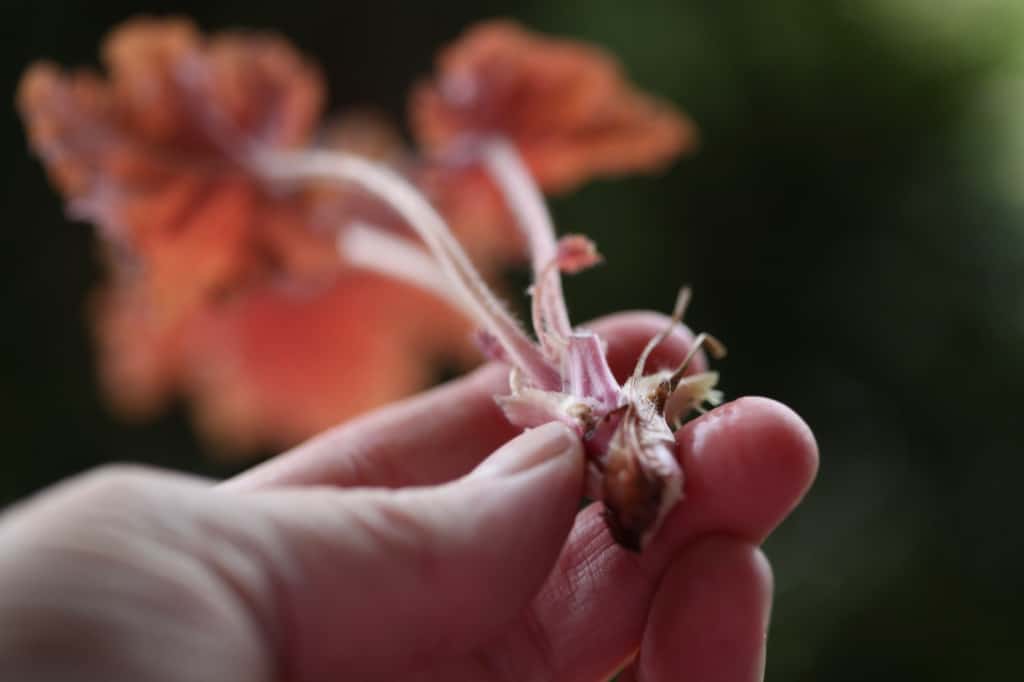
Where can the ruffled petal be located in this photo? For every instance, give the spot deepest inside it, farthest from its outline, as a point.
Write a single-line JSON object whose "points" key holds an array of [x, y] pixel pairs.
{"points": [[151, 154], [565, 105]]}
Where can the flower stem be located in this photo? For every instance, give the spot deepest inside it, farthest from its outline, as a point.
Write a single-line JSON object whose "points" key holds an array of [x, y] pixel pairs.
{"points": [[432, 229], [362, 244], [524, 199]]}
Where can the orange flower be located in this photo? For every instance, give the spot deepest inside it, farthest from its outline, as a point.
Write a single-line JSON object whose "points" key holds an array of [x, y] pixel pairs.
{"points": [[224, 287], [150, 155], [565, 106]]}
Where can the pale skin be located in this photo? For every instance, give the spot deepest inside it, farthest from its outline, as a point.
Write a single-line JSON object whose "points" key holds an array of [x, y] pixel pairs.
{"points": [[423, 542]]}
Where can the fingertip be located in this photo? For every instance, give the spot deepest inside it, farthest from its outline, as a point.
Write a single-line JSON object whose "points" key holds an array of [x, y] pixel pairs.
{"points": [[748, 464], [528, 492], [734, 567], [767, 430], [516, 511], [710, 615], [553, 441]]}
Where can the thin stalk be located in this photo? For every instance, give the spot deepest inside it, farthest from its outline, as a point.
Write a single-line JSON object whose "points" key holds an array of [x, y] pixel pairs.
{"points": [[678, 310], [361, 244], [526, 202], [414, 208]]}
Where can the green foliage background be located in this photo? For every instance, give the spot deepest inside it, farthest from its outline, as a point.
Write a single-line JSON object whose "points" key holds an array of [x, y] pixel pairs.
{"points": [[853, 225]]}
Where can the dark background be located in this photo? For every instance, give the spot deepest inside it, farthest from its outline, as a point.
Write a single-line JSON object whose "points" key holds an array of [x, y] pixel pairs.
{"points": [[853, 225]]}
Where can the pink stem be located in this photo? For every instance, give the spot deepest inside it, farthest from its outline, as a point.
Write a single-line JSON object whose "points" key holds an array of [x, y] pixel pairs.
{"points": [[361, 244], [525, 200], [432, 229], [587, 372]]}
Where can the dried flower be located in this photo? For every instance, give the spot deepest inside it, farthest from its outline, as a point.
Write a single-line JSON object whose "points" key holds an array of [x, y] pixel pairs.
{"points": [[148, 155], [627, 429], [537, 113]]}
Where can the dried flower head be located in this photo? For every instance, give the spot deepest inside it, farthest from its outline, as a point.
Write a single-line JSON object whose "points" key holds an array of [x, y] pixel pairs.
{"points": [[563, 376], [565, 105], [534, 113]]}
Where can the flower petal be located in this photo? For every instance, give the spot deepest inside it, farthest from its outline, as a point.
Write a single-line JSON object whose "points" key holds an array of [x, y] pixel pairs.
{"points": [[148, 153], [566, 106]]}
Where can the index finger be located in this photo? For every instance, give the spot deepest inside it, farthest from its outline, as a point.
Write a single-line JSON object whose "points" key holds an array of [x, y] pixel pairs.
{"points": [[445, 432]]}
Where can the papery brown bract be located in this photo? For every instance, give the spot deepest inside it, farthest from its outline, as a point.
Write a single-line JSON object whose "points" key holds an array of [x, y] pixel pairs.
{"points": [[566, 106]]}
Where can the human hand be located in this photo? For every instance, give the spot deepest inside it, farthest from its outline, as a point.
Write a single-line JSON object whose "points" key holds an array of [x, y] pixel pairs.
{"points": [[384, 550]]}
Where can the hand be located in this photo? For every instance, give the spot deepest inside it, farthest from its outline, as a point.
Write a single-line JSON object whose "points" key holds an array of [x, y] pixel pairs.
{"points": [[384, 549]]}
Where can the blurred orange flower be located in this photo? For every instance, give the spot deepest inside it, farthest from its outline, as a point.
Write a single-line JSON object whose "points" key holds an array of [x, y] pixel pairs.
{"points": [[224, 287], [149, 155], [227, 287], [566, 106], [280, 363]]}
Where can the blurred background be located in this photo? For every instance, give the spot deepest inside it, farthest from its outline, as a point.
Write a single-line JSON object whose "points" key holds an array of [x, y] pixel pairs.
{"points": [[853, 226]]}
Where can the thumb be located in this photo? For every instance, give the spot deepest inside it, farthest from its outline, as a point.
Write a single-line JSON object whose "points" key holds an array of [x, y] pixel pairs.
{"points": [[370, 577]]}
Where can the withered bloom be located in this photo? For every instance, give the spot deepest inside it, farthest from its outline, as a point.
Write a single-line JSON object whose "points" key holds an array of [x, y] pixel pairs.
{"points": [[627, 430], [534, 113], [564, 105], [541, 114]]}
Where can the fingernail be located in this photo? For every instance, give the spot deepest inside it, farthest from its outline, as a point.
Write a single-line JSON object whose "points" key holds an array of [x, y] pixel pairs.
{"points": [[529, 450]]}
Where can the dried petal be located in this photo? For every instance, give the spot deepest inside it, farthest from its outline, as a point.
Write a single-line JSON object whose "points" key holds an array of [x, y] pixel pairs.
{"points": [[576, 253], [586, 373], [530, 407], [642, 478], [565, 105]]}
